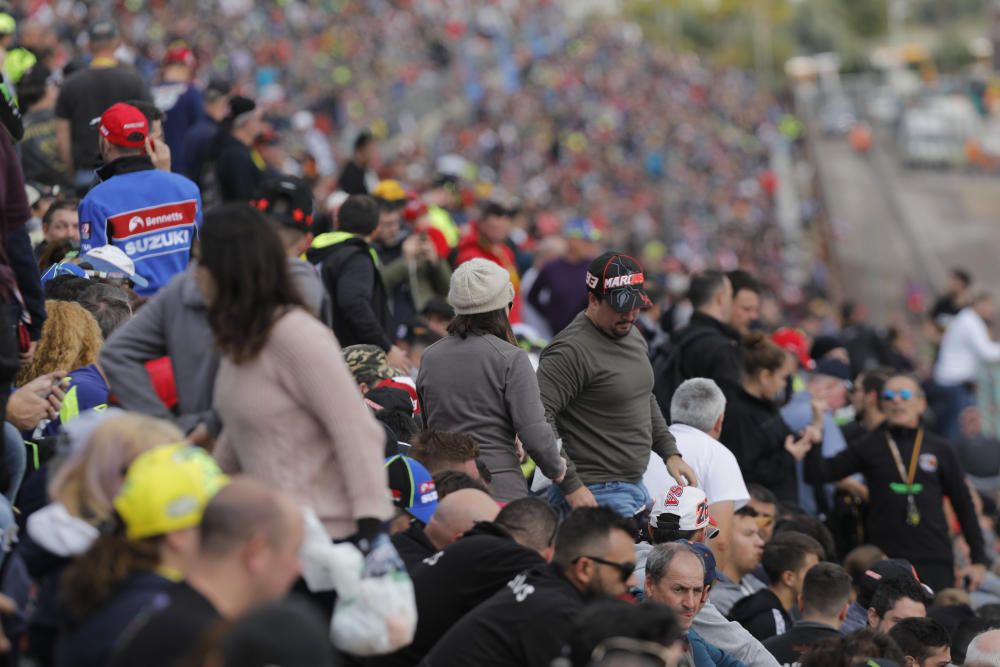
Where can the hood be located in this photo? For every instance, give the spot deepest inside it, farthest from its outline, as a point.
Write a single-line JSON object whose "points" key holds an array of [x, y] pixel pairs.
{"points": [[332, 243], [57, 531], [763, 601]]}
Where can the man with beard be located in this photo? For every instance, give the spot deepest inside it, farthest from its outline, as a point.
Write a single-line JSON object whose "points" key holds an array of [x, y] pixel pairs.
{"points": [[597, 388], [527, 621], [909, 471]]}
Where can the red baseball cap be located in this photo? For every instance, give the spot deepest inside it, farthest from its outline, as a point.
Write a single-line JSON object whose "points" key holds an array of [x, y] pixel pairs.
{"points": [[180, 55], [124, 125], [794, 341]]}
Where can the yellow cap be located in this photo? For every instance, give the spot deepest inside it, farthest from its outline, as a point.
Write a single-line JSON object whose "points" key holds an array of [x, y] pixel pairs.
{"points": [[7, 24], [389, 190], [166, 489]]}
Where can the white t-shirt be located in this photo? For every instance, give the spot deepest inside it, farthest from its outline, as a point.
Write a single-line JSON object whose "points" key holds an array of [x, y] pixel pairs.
{"points": [[718, 472]]}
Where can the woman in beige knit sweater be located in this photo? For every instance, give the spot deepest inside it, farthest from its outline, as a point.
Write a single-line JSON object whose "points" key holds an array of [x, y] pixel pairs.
{"points": [[291, 413]]}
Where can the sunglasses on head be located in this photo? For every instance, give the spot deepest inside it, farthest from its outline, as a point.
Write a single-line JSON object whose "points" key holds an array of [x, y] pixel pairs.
{"points": [[890, 395], [625, 570]]}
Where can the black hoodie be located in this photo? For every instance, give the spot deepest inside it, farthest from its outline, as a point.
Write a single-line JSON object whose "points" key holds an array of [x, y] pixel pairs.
{"points": [[761, 614], [525, 624], [452, 583]]}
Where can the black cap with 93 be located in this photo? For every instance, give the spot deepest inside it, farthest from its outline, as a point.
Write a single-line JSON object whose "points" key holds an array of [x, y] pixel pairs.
{"points": [[618, 280]]}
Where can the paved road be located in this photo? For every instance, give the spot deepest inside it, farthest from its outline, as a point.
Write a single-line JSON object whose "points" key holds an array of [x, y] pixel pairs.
{"points": [[892, 224]]}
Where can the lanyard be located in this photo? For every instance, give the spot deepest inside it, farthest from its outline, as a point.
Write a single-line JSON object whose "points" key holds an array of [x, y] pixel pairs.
{"points": [[910, 475]]}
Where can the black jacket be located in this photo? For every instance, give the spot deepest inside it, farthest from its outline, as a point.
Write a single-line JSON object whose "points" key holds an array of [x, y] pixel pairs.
{"points": [[523, 625], [453, 583], [705, 348], [788, 648], [413, 545], [352, 179], [755, 432], [939, 474], [237, 175], [762, 615], [360, 304]]}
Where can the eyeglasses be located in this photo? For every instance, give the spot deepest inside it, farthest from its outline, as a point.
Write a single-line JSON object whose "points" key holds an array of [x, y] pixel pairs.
{"points": [[764, 520], [625, 570], [891, 395]]}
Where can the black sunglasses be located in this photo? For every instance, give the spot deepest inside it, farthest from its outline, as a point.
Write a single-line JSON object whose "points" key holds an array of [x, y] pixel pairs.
{"points": [[625, 570]]}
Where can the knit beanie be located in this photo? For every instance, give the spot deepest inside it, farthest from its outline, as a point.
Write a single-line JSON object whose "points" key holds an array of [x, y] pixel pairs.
{"points": [[480, 286]]}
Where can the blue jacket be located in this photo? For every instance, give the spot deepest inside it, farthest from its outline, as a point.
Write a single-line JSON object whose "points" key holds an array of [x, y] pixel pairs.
{"points": [[184, 107], [87, 390], [706, 655], [151, 215], [92, 643]]}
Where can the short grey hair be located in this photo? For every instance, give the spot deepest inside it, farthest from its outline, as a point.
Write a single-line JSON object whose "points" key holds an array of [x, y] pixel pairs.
{"points": [[662, 555], [698, 403], [984, 650]]}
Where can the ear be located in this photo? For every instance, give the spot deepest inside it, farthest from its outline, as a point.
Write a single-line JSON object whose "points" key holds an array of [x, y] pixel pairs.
{"points": [[872, 618], [717, 427], [788, 579], [801, 602], [911, 662], [255, 553], [842, 616], [549, 552]]}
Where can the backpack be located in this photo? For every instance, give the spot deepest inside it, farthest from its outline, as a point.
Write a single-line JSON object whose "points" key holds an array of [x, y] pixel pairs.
{"points": [[667, 372]]}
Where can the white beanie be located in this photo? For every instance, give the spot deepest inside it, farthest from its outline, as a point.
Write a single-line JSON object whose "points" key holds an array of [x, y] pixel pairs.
{"points": [[480, 286]]}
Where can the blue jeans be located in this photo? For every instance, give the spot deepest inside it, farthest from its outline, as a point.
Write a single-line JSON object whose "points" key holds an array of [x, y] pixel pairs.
{"points": [[624, 498]]}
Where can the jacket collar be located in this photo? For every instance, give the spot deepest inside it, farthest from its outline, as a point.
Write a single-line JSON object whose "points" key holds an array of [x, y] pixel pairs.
{"points": [[707, 321], [125, 165]]}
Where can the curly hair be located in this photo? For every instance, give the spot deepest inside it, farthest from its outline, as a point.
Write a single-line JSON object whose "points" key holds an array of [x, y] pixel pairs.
{"points": [[71, 338]]}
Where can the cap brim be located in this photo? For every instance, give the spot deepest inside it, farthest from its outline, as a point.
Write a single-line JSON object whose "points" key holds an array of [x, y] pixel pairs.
{"points": [[423, 512], [107, 267], [628, 298]]}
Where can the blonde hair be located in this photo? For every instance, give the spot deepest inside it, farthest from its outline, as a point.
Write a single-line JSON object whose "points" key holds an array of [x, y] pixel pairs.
{"points": [[71, 339], [88, 481]]}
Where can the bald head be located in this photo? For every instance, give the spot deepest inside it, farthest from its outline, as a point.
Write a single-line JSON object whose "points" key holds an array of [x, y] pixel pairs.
{"points": [[458, 512], [243, 509], [984, 649]]}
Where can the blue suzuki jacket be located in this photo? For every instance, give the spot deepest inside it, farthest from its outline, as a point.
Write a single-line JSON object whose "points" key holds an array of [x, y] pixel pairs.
{"points": [[151, 215]]}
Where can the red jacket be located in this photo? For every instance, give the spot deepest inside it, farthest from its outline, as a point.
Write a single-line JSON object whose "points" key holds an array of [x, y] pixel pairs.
{"points": [[473, 246]]}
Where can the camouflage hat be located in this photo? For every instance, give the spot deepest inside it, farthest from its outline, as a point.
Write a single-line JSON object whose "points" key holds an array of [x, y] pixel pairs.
{"points": [[368, 363]]}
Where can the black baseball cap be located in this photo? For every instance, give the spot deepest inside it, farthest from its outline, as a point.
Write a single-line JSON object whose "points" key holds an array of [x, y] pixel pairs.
{"points": [[217, 88], [890, 568], [619, 280], [102, 31], [288, 200]]}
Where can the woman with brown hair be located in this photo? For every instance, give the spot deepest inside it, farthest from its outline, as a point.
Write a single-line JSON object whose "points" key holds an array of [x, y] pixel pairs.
{"points": [[71, 339], [82, 489], [479, 382], [766, 449], [290, 407], [146, 545]]}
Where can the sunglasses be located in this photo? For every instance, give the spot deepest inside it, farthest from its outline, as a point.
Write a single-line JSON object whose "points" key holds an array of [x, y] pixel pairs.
{"points": [[891, 395], [625, 570], [625, 646], [764, 520]]}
